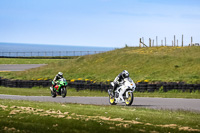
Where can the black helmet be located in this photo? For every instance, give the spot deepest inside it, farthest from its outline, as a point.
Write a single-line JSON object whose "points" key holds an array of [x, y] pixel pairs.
{"points": [[125, 74], [60, 74]]}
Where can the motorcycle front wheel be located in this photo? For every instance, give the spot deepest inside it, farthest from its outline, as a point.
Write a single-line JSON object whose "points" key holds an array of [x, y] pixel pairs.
{"points": [[112, 100], [63, 92], [129, 100]]}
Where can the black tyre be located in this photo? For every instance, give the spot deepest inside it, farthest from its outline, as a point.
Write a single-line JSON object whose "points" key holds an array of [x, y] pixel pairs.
{"points": [[53, 94], [129, 100], [63, 92]]}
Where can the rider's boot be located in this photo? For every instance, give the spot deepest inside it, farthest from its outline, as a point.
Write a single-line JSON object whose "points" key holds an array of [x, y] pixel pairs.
{"points": [[112, 94], [114, 89], [53, 86]]}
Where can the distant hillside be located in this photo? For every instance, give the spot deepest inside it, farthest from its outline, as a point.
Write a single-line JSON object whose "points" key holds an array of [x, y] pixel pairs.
{"points": [[153, 64]]}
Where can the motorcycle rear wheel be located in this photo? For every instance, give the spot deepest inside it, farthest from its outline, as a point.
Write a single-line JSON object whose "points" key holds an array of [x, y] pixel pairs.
{"points": [[129, 100], [63, 92]]}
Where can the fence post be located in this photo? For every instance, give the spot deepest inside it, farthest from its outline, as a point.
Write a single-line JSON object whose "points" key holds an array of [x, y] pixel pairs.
{"points": [[149, 42], [174, 40], [165, 41], [182, 40], [191, 41], [177, 42], [156, 41], [143, 41], [153, 43]]}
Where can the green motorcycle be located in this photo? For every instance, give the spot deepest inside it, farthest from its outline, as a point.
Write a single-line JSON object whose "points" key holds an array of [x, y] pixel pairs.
{"points": [[59, 88]]}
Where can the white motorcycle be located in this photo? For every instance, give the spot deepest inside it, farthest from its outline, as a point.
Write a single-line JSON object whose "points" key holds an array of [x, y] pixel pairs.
{"points": [[124, 93]]}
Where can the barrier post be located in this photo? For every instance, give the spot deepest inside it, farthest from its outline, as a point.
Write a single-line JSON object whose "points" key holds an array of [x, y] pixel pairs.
{"points": [[182, 40]]}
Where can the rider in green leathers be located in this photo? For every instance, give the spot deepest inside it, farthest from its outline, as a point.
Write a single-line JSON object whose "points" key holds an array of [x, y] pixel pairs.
{"points": [[57, 77]]}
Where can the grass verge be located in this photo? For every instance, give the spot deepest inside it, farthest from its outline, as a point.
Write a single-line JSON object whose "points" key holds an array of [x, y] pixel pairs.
{"points": [[36, 91], [26, 116]]}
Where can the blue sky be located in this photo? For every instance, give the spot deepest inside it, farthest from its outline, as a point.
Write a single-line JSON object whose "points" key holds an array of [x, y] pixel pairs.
{"points": [[107, 23]]}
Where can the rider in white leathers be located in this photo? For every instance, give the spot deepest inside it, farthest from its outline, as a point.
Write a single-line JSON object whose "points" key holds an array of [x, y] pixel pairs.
{"points": [[124, 74]]}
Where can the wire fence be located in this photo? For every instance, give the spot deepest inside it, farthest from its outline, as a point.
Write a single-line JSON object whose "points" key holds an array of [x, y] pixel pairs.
{"points": [[48, 53]]}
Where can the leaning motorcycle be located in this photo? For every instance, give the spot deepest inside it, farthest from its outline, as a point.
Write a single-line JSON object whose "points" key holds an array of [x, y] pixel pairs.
{"points": [[59, 88], [124, 93]]}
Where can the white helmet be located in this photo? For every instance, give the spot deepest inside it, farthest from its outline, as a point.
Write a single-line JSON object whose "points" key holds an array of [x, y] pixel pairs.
{"points": [[125, 74], [60, 74]]}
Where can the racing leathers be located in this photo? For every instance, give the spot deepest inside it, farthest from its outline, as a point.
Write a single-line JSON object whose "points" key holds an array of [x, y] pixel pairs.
{"points": [[119, 79], [116, 82], [57, 77]]}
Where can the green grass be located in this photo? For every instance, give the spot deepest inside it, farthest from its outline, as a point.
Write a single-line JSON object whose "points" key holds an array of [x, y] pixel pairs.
{"points": [[153, 64], [36, 91], [26, 116]]}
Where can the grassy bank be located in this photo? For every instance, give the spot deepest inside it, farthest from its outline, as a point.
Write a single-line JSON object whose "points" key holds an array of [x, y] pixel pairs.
{"points": [[24, 116], [153, 64], [72, 92]]}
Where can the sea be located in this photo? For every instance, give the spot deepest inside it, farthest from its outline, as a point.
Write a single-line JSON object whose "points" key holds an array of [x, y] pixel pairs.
{"points": [[28, 50]]}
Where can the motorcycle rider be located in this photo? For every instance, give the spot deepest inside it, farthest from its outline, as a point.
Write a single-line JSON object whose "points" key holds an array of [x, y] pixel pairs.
{"points": [[124, 74], [57, 77]]}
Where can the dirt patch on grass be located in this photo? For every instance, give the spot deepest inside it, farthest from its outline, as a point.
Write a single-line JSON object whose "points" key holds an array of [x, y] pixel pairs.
{"points": [[189, 129], [180, 128], [11, 130], [41, 112], [170, 125], [13, 112], [3, 107], [123, 125]]}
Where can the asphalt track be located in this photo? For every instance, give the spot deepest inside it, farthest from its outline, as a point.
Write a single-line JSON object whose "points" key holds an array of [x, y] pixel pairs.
{"points": [[146, 102], [18, 67]]}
